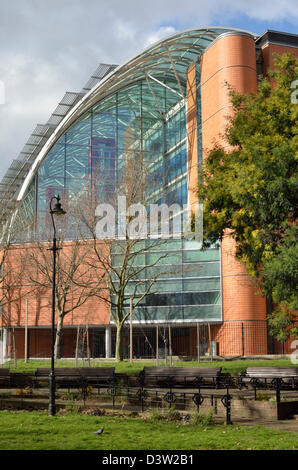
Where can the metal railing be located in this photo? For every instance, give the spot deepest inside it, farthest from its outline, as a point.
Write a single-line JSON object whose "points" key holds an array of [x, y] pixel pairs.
{"points": [[131, 393]]}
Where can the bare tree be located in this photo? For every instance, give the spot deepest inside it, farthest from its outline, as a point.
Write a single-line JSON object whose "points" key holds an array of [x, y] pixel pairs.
{"points": [[75, 280], [122, 252], [11, 268]]}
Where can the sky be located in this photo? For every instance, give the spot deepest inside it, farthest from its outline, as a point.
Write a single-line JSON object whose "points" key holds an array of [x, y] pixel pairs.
{"points": [[50, 47]]}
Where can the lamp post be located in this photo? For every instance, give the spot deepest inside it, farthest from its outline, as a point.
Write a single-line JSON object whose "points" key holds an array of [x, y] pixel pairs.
{"points": [[54, 211]]}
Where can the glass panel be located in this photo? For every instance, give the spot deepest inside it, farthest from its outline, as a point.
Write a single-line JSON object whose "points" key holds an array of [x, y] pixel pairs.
{"points": [[77, 161], [163, 299], [164, 272], [201, 269], [164, 258], [153, 138], [160, 313], [107, 105], [198, 255], [48, 188], [168, 286], [53, 165], [102, 160], [23, 227], [74, 187], [202, 312], [81, 126], [165, 245], [77, 139], [175, 163], [174, 133], [177, 193], [135, 260], [201, 284], [104, 125], [201, 298]]}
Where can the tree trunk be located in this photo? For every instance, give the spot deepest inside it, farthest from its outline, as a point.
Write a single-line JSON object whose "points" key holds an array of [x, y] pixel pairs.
{"points": [[59, 337], [119, 348]]}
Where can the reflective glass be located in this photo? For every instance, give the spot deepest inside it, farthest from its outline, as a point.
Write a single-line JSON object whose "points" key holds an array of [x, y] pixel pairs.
{"points": [[145, 122], [49, 187], [77, 161], [198, 255], [201, 284], [202, 312]]}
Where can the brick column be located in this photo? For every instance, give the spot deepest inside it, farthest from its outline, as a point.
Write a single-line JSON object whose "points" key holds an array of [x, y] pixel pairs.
{"points": [[231, 59], [192, 137]]}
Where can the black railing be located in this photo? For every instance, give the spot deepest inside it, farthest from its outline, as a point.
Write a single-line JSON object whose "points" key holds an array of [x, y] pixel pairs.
{"points": [[223, 391]]}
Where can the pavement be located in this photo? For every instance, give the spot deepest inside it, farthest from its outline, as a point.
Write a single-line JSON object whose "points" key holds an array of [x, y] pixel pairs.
{"points": [[290, 425]]}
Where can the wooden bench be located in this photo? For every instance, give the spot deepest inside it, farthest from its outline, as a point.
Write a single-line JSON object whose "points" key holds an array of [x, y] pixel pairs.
{"points": [[266, 377], [4, 377], [99, 376], [172, 377], [77, 376]]}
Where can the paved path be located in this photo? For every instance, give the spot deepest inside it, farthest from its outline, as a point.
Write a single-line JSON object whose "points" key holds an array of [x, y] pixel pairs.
{"points": [[281, 425]]}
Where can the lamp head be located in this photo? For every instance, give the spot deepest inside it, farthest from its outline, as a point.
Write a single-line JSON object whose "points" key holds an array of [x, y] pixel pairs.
{"points": [[57, 209]]}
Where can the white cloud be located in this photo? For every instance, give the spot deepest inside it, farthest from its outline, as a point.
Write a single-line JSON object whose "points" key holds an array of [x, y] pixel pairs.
{"points": [[162, 32], [268, 10], [124, 30], [47, 49]]}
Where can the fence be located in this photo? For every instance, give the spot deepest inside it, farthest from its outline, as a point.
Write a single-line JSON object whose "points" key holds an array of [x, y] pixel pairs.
{"points": [[227, 400], [161, 342], [228, 339]]}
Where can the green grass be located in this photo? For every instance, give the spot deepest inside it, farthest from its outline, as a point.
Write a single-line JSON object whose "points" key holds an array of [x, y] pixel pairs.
{"points": [[233, 367], [35, 430]]}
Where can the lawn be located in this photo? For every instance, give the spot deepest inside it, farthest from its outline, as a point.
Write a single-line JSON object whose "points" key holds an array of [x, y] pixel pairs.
{"points": [[21, 430], [233, 367]]}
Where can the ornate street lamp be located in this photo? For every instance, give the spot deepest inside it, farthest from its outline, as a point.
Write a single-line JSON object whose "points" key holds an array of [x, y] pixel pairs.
{"points": [[54, 211]]}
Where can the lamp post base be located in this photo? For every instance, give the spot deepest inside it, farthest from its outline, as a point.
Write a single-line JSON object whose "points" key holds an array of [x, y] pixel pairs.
{"points": [[52, 410], [52, 406]]}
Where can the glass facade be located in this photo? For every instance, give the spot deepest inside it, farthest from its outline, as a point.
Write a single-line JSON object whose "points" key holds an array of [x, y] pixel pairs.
{"points": [[146, 116], [187, 286], [91, 155]]}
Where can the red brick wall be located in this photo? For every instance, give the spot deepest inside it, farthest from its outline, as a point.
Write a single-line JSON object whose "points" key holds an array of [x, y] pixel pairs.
{"points": [[93, 312], [269, 49], [192, 137], [232, 60]]}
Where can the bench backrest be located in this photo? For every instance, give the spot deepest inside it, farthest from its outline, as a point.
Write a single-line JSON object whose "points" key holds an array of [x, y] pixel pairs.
{"points": [[181, 371], [4, 372], [97, 371], [77, 372], [59, 371], [271, 372]]}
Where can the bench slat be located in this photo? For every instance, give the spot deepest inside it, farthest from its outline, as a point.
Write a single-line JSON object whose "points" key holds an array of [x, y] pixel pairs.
{"points": [[273, 372], [79, 372], [265, 376], [77, 375], [179, 375], [182, 371]]}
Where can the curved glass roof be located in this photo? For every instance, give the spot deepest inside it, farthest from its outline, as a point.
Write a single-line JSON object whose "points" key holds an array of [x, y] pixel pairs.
{"points": [[168, 58]]}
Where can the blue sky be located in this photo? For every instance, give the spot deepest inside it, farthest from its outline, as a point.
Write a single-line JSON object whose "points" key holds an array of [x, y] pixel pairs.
{"points": [[48, 48], [244, 22], [259, 26]]}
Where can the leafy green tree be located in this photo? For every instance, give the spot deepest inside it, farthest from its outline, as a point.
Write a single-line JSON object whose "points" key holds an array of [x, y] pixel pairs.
{"points": [[251, 187]]}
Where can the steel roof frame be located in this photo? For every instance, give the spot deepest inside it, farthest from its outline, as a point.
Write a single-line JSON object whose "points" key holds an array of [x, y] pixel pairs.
{"points": [[176, 52]]}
